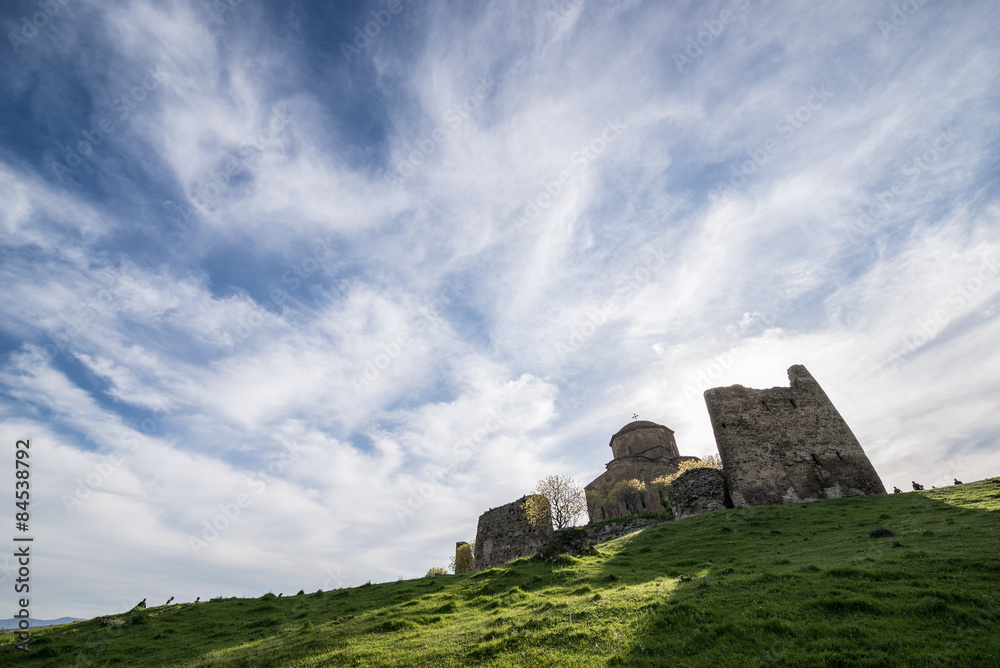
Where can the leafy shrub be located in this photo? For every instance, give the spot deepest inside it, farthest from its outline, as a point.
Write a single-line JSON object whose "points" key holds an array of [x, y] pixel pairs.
{"points": [[628, 492], [464, 561], [709, 462], [435, 570]]}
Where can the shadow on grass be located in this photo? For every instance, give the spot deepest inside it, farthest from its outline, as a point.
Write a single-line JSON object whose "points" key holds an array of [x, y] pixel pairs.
{"points": [[813, 585]]}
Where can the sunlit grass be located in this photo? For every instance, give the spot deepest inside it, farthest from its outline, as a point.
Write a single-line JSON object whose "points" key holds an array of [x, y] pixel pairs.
{"points": [[899, 580]]}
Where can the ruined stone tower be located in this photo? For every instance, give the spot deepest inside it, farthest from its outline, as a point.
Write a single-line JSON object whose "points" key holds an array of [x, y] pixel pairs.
{"points": [[505, 533], [787, 444]]}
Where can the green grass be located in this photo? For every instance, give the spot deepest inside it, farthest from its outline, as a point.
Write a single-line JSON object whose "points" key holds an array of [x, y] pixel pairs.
{"points": [[797, 585]]}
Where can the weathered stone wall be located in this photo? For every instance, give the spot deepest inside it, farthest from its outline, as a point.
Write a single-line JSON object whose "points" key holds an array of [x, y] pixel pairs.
{"points": [[505, 534], [787, 444], [698, 491], [613, 530]]}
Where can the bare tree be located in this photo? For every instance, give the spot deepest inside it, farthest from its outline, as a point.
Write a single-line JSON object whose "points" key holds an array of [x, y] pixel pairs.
{"points": [[713, 461], [566, 499]]}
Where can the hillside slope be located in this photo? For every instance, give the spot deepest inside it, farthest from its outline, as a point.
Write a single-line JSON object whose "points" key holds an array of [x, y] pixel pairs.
{"points": [[797, 585]]}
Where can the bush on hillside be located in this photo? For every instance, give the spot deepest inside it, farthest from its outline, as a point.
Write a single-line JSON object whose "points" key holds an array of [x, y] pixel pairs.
{"points": [[659, 485], [464, 561], [630, 493]]}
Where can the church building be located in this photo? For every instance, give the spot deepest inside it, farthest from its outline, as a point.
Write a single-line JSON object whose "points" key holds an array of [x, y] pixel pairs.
{"points": [[641, 450]]}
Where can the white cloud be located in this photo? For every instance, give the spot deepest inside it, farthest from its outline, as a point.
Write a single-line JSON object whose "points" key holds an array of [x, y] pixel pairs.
{"points": [[423, 326]]}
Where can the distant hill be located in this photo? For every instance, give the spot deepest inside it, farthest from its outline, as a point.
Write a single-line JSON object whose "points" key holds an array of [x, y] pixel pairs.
{"points": [[8, 624], [891, 580]]}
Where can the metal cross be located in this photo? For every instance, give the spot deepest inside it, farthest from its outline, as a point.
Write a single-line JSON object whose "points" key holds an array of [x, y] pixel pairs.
{"points": [[635, 416]]}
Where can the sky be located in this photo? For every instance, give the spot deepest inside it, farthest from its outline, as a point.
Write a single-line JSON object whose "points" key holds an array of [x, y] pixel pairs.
{"points": [[292, 292]]}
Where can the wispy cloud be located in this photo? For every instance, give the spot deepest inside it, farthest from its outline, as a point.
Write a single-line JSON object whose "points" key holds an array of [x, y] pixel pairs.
{"points": [[284, 312]]}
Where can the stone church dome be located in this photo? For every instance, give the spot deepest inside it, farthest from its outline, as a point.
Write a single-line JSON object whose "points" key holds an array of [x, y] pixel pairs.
{"points": [[643, 451], [638, 424], [644, 439]]}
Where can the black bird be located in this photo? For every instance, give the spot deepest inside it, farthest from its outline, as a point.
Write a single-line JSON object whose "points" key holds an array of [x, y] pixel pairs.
{"points": [[957, 481]]}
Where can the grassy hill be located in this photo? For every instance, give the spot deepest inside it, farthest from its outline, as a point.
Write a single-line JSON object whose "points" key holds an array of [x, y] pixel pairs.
{"points": [[900, 580]]}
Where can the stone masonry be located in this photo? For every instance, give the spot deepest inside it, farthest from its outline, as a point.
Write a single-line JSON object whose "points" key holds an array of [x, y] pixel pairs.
{"points": [[505, 534], [698, 491], [640, 450], [787, 444]]}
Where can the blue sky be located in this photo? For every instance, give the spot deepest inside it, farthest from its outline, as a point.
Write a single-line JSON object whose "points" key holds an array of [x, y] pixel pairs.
{"points": [[339, 293]]}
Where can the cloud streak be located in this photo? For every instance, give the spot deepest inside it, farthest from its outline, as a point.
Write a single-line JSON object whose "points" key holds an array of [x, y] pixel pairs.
{"points": [[294, 293]]}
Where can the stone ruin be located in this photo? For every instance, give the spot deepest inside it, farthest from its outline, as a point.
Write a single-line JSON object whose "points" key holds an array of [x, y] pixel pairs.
{"points": [[698, 491], [787, 444], [505, 534], [779, 445], [640, 450]]}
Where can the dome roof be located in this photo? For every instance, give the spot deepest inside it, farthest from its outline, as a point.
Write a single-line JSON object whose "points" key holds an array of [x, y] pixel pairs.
{"points": [[640, 424]]}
